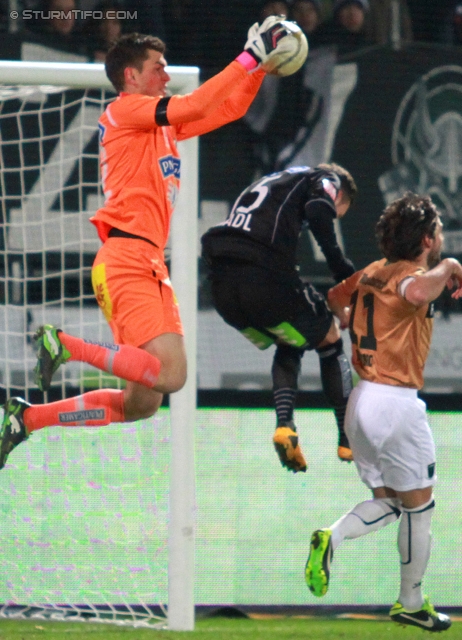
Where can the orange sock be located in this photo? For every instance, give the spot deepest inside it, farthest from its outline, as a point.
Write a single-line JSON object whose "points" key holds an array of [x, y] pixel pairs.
{"points": [[122, 360], [92, 409]]}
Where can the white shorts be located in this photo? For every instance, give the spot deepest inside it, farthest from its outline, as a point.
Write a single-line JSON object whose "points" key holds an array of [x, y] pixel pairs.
{"points": [[390, 437]]}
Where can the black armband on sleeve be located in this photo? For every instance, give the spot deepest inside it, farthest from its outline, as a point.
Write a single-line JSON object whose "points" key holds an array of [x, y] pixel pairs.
{"points": [[161, 112]]}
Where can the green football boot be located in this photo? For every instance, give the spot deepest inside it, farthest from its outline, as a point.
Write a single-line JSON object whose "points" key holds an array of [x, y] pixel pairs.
{"points": [[13, 430], [317, 570], [51, 353], [426, 618]]}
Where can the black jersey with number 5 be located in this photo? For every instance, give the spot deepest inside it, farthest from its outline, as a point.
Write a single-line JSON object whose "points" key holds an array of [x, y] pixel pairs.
{"points": [[267, 218]]}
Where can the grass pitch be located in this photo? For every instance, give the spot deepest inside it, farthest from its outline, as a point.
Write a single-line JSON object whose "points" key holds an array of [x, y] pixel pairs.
{"points": [[281, 628]]}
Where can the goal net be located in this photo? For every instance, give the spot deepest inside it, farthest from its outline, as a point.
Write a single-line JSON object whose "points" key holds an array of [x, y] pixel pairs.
{"points": [[93, 520]]}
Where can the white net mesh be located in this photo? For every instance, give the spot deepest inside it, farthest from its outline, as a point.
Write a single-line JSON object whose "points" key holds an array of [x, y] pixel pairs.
{"points": [[90, 541], [84, 532], [49, 188]]}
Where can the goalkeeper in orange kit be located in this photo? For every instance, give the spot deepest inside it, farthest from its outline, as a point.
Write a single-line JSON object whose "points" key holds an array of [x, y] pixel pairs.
{"points": [[140, 168]]}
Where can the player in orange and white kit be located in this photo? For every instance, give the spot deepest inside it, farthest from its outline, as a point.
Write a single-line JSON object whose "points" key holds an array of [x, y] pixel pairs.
{"points": [[390, 322], [141, 178]]}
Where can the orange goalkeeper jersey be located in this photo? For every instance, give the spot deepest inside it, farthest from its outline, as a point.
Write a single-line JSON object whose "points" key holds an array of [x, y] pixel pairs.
{"points": [[390, 336], [140, 164]]}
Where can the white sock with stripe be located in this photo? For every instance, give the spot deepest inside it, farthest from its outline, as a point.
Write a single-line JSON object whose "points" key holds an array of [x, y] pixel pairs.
{"points": [[366, 517], [414, 543]]}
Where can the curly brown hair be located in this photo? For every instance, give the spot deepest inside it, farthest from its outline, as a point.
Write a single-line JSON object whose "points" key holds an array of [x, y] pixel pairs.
{"points": [[404, 224], [130, 50]]}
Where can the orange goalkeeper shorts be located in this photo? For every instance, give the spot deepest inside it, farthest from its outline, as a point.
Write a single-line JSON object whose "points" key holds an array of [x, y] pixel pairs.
{"points": [[133, 289]]}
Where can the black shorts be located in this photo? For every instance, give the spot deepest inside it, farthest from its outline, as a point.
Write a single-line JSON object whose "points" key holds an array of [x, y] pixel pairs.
{"points": [[269, 306]]}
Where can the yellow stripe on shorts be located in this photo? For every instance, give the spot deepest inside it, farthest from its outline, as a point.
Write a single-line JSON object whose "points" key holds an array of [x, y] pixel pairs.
{"points": [[98, 280]]}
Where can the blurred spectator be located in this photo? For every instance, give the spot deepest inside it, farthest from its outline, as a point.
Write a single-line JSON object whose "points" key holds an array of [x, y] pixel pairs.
{"points": [[347, 29], [284, 106], [150, 18], [206, 33], [265, 107], [100, 33], [58, 32], [428, 17], [217, 28], [183, 39], [273, 8], [452, 27], [389, 22], [307, 14], [4, 18]]}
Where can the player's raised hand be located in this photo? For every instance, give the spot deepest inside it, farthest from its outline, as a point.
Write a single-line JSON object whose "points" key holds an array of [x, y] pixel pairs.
{"points": [[455, 282], [456, 279], [263, 40], [343, 314]]}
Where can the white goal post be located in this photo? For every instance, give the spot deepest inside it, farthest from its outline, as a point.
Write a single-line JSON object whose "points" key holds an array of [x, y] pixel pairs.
{"points": [[24, 231]]}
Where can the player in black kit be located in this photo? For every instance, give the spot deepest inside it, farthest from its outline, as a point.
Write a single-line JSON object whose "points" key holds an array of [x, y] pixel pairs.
{"points": [[256, 287]]}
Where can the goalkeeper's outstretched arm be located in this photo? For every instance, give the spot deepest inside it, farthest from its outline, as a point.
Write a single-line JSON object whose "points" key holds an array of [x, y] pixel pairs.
{"points": [[263, 42]]}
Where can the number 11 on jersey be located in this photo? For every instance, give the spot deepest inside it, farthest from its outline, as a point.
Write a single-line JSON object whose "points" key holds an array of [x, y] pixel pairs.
{"points": [[367, 341]]}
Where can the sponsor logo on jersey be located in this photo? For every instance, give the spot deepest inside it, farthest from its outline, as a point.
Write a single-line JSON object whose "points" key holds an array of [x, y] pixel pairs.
{"points": [[170, 166]]}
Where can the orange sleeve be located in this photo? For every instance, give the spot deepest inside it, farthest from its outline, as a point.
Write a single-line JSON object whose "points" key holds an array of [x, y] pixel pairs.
{"points": [[232, 109], [135, 111], [138, 111], [342, 292], [206, 98], [222, 99]]}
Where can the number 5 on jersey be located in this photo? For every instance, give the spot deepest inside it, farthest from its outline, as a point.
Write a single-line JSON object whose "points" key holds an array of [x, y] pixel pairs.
{"points": [[241, 216]]}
